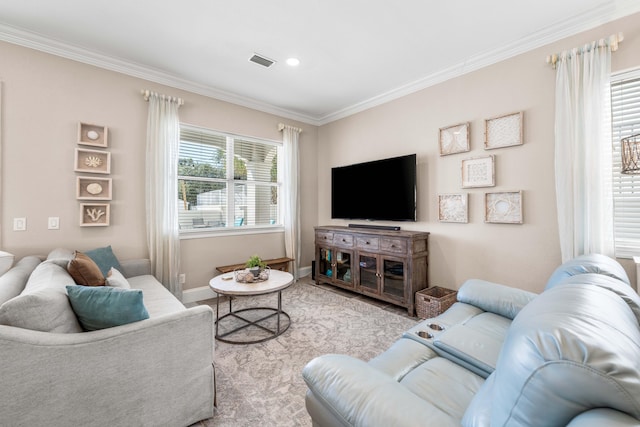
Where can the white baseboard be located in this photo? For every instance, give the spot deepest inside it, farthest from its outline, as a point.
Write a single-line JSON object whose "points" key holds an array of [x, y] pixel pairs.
{"points": [[205, 292], [197, 294], [304, 271]]}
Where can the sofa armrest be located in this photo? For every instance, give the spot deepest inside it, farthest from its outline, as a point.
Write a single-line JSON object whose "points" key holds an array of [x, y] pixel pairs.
{"points": [[153, 372], [358, 394], [603, 417], [135, 267], [494, 298]]}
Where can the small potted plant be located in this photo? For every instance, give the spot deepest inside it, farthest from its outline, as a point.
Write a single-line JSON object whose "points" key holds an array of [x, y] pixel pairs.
{"points": [[255, 265]]}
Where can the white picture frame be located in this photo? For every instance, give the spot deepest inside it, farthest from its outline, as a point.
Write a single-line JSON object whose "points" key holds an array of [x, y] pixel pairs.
{"points": [[95, 214], [453, 208], [93, 188], [92, 161], [93, 135], [454, 139], [478, 172], [504, 131], [503, 207]]}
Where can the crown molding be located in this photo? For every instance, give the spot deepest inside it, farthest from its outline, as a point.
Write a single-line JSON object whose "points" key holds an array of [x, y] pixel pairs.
{"points": [[557, 31], [54, 47]]}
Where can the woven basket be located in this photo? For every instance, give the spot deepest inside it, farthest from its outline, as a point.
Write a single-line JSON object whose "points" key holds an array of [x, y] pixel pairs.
{"points": [[431, 302]]}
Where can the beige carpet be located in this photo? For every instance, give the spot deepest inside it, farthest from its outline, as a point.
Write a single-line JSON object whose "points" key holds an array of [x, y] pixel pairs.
{"points": [[261, 384]]}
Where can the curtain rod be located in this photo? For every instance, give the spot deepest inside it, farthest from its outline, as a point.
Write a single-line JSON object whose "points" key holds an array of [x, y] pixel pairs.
{"points": [[281, 126], [613, 40], [147, 93]]}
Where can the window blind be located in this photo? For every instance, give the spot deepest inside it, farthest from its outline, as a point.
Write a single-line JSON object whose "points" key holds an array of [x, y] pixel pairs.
{"points": [[625, 121], [225, 180]]}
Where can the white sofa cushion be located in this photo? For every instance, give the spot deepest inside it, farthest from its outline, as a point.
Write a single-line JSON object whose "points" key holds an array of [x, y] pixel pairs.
{"points": [[157, 299], [61, 256], [6, 261], [14, 280], [43, 304]]}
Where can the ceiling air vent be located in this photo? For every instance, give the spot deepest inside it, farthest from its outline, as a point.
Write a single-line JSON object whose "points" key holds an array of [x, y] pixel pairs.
{"points": [[261, 60]]}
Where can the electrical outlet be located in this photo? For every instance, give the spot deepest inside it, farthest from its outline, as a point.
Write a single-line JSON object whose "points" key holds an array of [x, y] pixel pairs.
{"points": [[182, 278], [19, 224], [53, 223]]}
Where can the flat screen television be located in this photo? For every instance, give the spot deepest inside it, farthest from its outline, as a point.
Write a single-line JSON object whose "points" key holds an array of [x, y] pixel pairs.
{"points": [[383, 190]]}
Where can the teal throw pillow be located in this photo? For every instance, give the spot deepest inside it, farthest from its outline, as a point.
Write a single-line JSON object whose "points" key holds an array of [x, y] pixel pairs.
{"points": [[104, 307], [105, 259]]}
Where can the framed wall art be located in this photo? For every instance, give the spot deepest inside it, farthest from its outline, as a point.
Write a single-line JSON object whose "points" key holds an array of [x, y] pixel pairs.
{"points": [[93, 188], [503, 131], [453, 208], [503, 207], [94, 135], [92, 161], [454, 139], [478, 172], [94, 214]]}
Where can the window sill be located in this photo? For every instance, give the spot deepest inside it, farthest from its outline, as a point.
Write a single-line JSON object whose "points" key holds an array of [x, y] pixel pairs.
{"points": [[237, 231]]}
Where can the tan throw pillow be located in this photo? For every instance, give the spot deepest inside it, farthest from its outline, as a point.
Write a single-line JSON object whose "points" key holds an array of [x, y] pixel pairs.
{"points": [[85, 271]]}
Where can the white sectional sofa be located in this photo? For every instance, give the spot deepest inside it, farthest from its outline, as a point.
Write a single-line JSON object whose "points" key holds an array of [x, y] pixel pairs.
{"points": [[153, 372]]}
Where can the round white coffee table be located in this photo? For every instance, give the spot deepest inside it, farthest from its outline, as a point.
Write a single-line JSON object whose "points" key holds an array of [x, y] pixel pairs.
{"points": [[225, 284]]}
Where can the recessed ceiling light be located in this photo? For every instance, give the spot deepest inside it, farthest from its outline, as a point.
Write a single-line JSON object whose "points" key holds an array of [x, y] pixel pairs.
{"points": [[293, 62]]}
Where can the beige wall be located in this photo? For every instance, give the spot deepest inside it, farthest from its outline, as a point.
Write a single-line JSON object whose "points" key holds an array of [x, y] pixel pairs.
{"points": [[518, 255], [44, 98]]}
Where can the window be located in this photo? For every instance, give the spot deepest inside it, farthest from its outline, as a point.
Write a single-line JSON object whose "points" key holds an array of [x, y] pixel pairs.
{"points": [[227, 181], [625, 119]]}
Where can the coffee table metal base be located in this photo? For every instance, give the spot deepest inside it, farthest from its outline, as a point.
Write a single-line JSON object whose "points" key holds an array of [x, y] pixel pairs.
{"points": [[277, 312]]}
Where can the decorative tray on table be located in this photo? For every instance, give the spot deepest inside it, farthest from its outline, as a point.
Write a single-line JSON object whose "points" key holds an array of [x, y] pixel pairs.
{"points": [[246, 275]]}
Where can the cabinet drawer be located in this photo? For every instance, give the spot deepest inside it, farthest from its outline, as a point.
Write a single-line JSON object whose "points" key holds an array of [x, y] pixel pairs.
{"points": [[345, 240], [324, 237], [393, 245], [368, 243]]}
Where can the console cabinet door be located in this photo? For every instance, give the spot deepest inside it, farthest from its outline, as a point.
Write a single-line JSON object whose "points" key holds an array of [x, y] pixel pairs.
{"points": [[394, 278], [335, 264], [325, 258], [368, 273], [343, 267]]}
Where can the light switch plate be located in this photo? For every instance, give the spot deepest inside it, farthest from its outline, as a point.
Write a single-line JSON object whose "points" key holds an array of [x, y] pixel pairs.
{"points": [[19, 224], [53, 223]]}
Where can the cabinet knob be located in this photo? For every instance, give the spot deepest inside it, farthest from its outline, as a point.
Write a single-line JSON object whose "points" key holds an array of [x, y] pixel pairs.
{"points": [[343, 240], [366, 243]]}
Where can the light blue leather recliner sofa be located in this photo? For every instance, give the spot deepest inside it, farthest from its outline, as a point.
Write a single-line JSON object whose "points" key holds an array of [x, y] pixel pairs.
{"points": [[500, 356]]}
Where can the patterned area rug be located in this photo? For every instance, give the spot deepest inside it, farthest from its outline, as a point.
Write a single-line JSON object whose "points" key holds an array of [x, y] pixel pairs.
{"points": [[261, 384]]}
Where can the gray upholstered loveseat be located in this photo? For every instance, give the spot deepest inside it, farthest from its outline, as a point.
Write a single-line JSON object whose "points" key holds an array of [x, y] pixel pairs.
{"points": [[500, 357], [153, 372]]}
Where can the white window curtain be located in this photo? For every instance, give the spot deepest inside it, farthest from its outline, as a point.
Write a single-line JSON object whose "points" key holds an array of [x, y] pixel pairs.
{"points": [[1, 83], [163, 138], [583, 150], [290, 194]]}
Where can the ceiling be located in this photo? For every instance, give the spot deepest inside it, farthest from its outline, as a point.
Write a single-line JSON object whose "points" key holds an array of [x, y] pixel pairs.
{"points": [[354, 53]]}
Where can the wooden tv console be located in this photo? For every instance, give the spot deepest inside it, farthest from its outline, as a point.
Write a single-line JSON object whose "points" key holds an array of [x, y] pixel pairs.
{"points": [[387, 265]]}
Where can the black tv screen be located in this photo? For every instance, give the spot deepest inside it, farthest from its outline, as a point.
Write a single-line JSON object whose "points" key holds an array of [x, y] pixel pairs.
{"points": [[378, 190]]}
